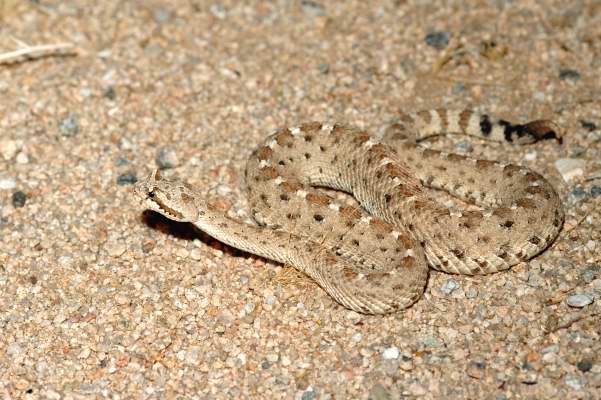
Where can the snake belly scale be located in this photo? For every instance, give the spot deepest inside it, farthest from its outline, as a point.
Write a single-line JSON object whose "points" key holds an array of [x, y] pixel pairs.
{"points": [[374, 258]]}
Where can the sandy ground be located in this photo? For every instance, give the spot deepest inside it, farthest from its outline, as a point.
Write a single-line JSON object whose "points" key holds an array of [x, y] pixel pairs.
{"points": [[98, 299]]}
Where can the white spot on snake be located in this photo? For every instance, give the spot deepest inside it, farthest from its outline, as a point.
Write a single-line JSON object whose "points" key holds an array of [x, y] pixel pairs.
{"points": [[365, 220], [385, 161], [272, 144], [295, 131], [279, 180], [301, 193], [453, 121], [487, 213], [409, 253], [327, 128], [264, 163], [498, 132], [396, 181], [370, 142], [435, 123], [473, 125], [334, 206], [535, 184], [514, 206], [395, 234], [455, 213]]}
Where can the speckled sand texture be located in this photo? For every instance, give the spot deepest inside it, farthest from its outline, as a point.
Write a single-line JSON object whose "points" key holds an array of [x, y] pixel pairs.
{"points": [[98, 299]]}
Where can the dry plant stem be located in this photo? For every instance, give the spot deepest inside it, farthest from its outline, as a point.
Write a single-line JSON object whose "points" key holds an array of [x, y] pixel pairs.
{"points": [[34, 52]]}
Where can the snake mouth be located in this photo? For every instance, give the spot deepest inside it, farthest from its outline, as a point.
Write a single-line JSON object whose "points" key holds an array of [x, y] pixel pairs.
{"points": [[164, 209]]}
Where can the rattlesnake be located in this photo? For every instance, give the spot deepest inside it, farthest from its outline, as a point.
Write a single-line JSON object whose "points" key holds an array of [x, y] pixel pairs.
{"points": [[374, 259]]}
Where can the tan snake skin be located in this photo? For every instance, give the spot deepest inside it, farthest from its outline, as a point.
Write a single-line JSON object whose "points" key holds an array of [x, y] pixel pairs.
{"points": [[375, 259]]}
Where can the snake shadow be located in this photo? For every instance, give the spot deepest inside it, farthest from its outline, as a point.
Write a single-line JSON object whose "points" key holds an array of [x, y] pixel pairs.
{"points": [[186, 231]]}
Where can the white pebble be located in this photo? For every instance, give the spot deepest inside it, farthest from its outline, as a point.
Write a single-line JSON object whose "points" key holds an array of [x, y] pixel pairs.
{"points": [[570, 168], [7, 183], [579, 300], [391, 353]]}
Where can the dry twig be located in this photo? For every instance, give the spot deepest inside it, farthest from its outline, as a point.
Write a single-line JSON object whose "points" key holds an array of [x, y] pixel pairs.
{"points": [[33, 52]]}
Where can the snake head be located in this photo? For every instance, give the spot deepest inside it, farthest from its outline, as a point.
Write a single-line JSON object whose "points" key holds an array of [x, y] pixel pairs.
{"points": [[174, 199]]}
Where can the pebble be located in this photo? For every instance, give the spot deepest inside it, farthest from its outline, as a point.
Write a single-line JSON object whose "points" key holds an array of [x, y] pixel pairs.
{"points": [[573, 382], [449, 286], [115, 248], [308, 394], [218, 11], [570, 168], [476, 369], [110, 93], [530, 303], [313, 8], [22, 158], [19, 198], [69, 126], [379, 392], [595, 191], [588, 125], [584, 365], [127, 179], [531, 155], [438, 39], [167, 158], [9, 148], [579, 300], [464, 146], [568, 74], [391, 353], [7, 183], [249, 307], [471, 293]]}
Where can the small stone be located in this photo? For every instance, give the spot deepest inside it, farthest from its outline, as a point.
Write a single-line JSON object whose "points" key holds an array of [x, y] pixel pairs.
{"points": [[554, 348], [464, 147], [249, 307], [14, 349], [167, 158], [379, 392], [313, 8], [308, 394], [573, 382], [161, 15], [19, 198], [110, 93], [531, 303], [357, 337], [449, 286], [218, 11], [568, 74], [127, 179], [438, 39], [476, 369], [7, 183], [270, 300], [9, 148], [595, 191], [69, 126], [471, 293], [531, 155], [22, 158], [115, 248], [584, 365], [324, 68], [579, 300], [391, 353], [430, 341], [589, 126], [570, 168]]}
